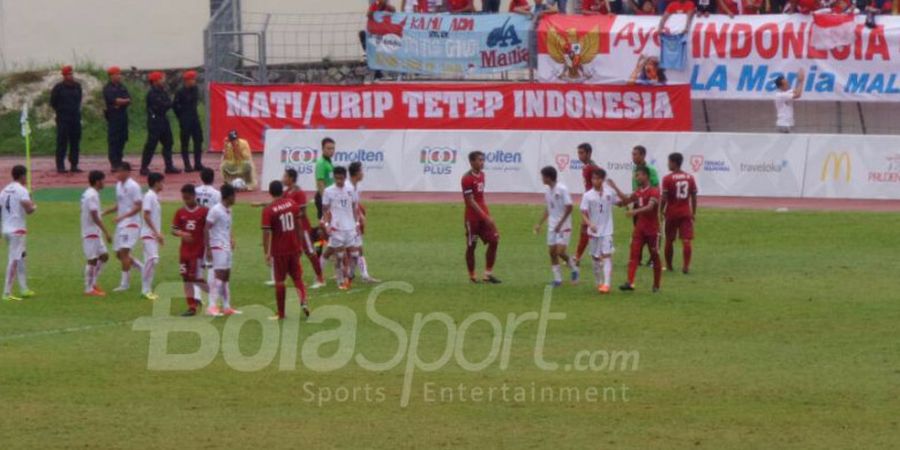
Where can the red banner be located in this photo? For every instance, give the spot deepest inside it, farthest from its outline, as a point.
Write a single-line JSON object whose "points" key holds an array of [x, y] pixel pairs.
{"points": [[252, 109]]}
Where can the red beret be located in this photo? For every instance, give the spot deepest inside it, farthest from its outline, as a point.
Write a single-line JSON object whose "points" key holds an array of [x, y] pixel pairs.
{"points": [[190, 75], [67, 70], [154, 77], [113, 70]]}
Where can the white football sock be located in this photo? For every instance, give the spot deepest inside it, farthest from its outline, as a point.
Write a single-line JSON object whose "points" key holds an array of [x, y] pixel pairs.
{"points": [[125, 282], [363, 267], [214, 292], [557, 273], [225, 287], [147, 274], [10, 274], [98, 268], [339, 267], [23, 278], [597, 269], [571, 263], [607, 270], [88, 277], [136, 263]]}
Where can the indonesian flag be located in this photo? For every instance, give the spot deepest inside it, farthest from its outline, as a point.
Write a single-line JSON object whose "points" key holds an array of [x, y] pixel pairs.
{"points": [[832, 30]]}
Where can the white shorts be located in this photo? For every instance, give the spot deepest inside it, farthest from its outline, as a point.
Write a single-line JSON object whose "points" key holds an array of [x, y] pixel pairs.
{"points": [[342, 238], [151, 248], [16, 243], [561, 238], [221, 259], [601, 246], [93, 247], [357, 241], [126, 237]]}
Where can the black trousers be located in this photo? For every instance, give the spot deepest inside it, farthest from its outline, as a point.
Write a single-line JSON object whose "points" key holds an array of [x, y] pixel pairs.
{"points": [[191, 130], [116, 137], [318, 200], [68, 141], [491, 6], [158, 132]]}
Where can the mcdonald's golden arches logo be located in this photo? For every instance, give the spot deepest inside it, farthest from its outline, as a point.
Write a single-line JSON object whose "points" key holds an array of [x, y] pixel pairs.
{"points": [[837, 161]]}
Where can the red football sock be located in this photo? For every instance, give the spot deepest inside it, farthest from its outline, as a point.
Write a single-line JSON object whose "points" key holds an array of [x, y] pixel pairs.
{"points": [[279, 298], [657, 268], [670, 252], [632, 270], [470, 260], [583, 241], [316, 265], [688, 250], [491, 256]]}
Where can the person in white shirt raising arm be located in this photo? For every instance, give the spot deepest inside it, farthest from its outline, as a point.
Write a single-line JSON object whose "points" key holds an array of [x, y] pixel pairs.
{"points": [[784, 101]]}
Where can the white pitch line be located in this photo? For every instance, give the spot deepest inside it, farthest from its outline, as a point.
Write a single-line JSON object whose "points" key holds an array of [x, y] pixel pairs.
{"points": [[79, 329]]}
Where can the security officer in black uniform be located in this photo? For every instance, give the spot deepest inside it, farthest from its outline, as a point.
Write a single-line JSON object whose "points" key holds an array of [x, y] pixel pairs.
{"points": [[65, 99], [185, 107], [117, 100], [158, 128]]}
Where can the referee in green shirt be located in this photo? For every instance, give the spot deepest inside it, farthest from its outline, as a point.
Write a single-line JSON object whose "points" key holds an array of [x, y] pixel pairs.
{"points": [[324, 172], [639, 158]]}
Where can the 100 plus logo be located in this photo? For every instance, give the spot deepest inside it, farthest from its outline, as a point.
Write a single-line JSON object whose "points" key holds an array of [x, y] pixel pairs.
{"points": [[301, 159], [438, 160]]}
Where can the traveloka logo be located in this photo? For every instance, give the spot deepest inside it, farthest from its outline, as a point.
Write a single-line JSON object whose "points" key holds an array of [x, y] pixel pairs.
{"points": [[371, 159], [438, 160], [626, 165], [301, 159], [765, 167], [499, 160]]}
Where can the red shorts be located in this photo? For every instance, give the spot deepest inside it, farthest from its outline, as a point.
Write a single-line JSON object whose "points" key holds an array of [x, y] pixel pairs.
{"points": [[640, 239], [287, 266], [682, 227], [480, 229], [190, 269]]}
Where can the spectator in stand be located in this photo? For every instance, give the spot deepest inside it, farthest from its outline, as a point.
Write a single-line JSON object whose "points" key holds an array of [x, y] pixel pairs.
{"points": [[802, 6], [784, 101], [379, 6], [461, 6], [643, 7], [490, 6], [539, 9], [877, 6], [426, 6], [741, 7], [705, 8], [595, 7], [562, 6], [678, 7], [648, 72]]}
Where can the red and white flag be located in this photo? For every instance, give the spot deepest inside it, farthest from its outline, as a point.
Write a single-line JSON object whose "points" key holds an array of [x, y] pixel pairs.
{"points": [[832, 30]]}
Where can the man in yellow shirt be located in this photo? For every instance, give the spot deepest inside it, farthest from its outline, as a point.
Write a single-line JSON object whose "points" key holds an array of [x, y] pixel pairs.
{"points": [[237, 163]]}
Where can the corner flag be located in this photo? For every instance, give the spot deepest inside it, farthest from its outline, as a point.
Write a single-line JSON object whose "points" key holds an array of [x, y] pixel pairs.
{"points": [[26, 133]]}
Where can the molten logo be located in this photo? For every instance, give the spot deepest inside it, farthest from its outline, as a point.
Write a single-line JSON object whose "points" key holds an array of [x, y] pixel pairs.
{"points": [[837, 162], [696, 162]]}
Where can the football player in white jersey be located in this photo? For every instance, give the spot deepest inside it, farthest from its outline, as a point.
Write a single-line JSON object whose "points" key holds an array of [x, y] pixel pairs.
{"points": [[596, 213], [128, 222], [15, 202], [558, 215], [94, 235], [342, 223], [151, 234], [356, 252], [219, 249], [207, 197]]}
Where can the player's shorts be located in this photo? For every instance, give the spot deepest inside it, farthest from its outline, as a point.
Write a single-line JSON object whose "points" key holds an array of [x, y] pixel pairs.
{"points": [[287, 266], [151, 248], [190, 269], [357, 241], [480, 229], [561, 238], [221, 259], [16, 243], [682, 227], [126, 237], [640, 239], [342, 238], [602, 246], [93, 247]]}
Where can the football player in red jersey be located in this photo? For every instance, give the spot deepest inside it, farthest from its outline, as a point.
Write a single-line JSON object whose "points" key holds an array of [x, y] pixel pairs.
{"points": [[295, 193], [679, 204], [479, 223], [282, 235], [646, 227], [189, 224], [585, 151]]}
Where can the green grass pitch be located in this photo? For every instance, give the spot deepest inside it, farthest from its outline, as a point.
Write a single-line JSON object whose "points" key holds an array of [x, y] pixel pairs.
{"points": [[785, 336]]}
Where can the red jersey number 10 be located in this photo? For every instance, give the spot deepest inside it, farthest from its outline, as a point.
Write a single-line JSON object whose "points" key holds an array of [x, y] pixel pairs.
{"points": [[287, 222]]}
